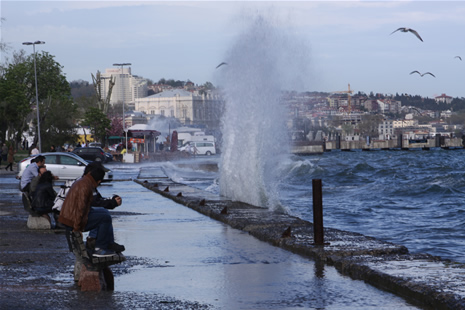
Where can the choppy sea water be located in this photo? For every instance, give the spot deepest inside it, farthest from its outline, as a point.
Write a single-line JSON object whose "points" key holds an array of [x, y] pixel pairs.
{"points": [[412, 198]]}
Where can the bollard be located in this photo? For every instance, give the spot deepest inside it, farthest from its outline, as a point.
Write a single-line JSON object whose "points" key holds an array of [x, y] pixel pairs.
{"points": [[318, 235]]}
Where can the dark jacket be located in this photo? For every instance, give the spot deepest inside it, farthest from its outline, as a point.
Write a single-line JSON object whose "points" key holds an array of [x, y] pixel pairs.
{"points": [[107, 203], [76, 206], [43, 198]]}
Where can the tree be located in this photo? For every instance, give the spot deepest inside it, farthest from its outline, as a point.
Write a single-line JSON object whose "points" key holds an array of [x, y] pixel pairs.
{"points": [[103, 99], [15, 106], [369, 125], [347, 128], [57, 128], [116, 127], [208, 86], [80, 88], [18, 98], [98, 122]]}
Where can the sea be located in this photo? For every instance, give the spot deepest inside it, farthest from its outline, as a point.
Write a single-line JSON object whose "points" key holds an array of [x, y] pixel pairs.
{"points": [[410, 198]]}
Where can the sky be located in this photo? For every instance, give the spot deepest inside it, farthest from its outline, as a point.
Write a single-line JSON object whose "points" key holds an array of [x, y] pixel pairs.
{"points": [[345, 42]]}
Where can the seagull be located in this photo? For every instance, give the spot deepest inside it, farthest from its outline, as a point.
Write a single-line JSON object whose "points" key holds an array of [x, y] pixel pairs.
{"points": [[458, 57], [421, 74], [223, 63], [404, 29]]}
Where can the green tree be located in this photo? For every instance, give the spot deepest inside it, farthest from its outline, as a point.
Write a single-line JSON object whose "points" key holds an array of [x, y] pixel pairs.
{"points": [[347, 128], [369, 125], [15, 104], [18, 99], [57, 128], [98, 122]]}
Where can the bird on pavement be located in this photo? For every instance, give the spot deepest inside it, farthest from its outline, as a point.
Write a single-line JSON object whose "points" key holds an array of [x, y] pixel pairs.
{"points": [[422, 74], [404, 29]]}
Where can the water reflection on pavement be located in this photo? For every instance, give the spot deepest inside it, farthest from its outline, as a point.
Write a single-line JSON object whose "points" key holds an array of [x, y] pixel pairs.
{"points": [[175, 251]]}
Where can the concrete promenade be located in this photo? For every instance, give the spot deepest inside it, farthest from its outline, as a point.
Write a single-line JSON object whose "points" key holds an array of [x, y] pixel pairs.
{"points": [[422, 279], [181, 259]]}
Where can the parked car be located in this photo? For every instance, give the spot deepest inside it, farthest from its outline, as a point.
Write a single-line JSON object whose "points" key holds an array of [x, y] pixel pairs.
{"points": [[93, 154], [95, 144], [65, 165]]}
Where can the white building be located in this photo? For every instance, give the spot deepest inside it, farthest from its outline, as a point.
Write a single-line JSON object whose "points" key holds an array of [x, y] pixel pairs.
{"points": [[443, 98], [127, 87], [386, 130], [188, 107]]}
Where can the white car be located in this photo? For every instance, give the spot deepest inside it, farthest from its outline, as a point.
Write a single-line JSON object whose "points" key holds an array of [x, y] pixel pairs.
{"points": [[65, 165]]}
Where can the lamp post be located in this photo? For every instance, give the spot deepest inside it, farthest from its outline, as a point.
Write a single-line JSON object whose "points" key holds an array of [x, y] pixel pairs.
{"points": [[37, 92], [124, 120]]}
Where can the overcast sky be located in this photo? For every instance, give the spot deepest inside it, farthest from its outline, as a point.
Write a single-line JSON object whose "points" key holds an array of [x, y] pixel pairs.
{"points": [[345, 41]]}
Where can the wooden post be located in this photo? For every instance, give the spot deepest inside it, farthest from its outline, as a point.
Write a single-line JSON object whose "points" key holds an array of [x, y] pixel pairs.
{"points": [[318, 234]]}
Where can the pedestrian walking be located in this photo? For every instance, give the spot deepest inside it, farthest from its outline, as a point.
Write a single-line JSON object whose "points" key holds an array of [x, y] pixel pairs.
{"points": [[4, 152], [34, 150], [10, 158]]}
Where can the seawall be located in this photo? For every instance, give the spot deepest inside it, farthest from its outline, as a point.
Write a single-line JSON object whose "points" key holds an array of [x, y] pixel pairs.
{"points": [[422, 279], [318, 147]]}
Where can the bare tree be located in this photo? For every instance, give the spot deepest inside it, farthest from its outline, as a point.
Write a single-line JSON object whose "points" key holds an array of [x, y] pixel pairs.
{"points": [[103, 101]]}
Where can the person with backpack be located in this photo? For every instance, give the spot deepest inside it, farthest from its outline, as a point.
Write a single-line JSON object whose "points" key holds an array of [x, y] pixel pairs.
{"points": [[44, 194]]}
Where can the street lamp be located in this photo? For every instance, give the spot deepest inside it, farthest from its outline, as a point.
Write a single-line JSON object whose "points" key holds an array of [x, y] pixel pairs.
{"points": [[37, 92], [124, 120]]}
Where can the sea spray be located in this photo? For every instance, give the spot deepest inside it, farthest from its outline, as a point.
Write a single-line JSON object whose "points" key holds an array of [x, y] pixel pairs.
{"points": [[260, 65]]}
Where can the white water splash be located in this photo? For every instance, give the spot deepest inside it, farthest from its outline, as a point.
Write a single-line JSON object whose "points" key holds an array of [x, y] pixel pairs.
{"points": [[263, 61]]}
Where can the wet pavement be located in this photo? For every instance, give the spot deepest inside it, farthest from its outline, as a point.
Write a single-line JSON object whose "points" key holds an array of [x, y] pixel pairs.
{"points": [[177, 258]]}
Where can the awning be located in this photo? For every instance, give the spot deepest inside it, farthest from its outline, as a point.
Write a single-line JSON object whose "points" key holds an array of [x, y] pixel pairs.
{"points": [[141, 130]]}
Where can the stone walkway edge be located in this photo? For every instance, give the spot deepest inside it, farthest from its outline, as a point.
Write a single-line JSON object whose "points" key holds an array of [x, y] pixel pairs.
{"points": [[424, 280]]}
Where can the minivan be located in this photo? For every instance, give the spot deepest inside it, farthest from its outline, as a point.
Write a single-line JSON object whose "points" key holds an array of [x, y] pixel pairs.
{"points": [[200, 148]]}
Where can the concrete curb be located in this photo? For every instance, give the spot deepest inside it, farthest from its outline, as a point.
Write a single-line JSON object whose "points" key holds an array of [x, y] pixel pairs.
{"points": [[421, 279]]}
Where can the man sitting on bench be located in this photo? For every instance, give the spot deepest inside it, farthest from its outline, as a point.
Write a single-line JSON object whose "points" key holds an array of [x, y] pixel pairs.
{"points": [[76, 213], [30, 172]]}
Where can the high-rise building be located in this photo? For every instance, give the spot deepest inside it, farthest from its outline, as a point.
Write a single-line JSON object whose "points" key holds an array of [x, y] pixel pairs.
{"points": [[127, 86]]}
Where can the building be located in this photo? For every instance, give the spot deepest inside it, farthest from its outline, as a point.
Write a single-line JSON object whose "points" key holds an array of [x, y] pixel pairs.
{"points": [[189, 107], [127, 87], [443, 98]]}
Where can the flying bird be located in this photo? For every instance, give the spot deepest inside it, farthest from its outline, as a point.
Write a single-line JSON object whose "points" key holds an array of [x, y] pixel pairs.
{"points": [[458, 57], [223, 63], [421, 74], [404, 29]]}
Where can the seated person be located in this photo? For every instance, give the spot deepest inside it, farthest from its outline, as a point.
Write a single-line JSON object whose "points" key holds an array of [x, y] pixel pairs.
{"points": [[35, 180], [31, 171], [44, 195], [77, 214], [101, 204]]}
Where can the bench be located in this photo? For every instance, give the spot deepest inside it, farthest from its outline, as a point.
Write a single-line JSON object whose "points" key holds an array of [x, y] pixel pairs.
{"points": [[35, 221], [91, 273]]}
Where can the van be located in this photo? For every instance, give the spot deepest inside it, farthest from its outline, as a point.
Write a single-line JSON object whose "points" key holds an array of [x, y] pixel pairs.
{"points": [[199, 147]]}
